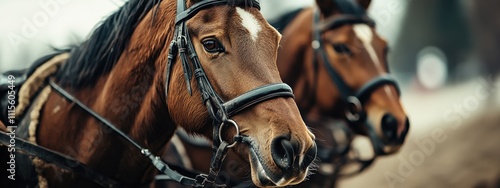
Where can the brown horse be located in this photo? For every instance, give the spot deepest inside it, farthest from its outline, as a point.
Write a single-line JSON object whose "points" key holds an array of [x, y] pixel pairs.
{"points": [[337, 68], [348, 79], [123, 71]]}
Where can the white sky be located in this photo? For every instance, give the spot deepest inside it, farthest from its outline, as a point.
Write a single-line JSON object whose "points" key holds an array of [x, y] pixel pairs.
{"points": [[28, 28]]}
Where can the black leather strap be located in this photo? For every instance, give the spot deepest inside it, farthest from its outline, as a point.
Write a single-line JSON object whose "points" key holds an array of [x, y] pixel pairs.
{"points": [[184, 14], [340, 20], [155, 160], [257, 95], [363, 93]]}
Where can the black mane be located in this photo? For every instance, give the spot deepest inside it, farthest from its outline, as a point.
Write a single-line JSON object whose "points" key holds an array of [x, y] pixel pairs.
{"points": [[98, 55], [101, 51]]}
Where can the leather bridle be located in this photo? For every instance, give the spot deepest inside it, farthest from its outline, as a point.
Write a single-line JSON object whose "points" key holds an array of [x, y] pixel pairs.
{"points": [[352, 100], [220, 111]]}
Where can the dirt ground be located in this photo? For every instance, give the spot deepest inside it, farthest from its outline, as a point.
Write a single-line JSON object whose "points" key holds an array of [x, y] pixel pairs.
{"points": [[454, 141]]}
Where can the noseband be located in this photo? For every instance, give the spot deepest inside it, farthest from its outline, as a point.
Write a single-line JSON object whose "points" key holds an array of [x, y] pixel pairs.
{"points": [[353, 100]]}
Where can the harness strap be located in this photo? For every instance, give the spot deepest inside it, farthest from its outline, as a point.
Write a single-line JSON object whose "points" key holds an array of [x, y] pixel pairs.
{"points": [[60, 160], [184, 14], [155, 160]]}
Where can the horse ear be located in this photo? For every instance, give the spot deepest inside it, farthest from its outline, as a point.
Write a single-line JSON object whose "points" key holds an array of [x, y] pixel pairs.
{"points": [[327, 7], [364, 3]]}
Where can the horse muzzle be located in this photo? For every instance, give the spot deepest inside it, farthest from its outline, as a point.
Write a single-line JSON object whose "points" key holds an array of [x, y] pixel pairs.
{"points": [[289, 165], [394, 132]]}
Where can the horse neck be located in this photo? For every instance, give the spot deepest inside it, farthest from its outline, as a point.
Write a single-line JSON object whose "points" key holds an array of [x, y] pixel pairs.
{"points": [[141, 113], [137, 83], [132, 97]]}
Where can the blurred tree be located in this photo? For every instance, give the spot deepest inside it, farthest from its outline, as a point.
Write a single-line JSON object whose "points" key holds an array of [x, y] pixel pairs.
{"points": [[486, 24], [439, 23]]}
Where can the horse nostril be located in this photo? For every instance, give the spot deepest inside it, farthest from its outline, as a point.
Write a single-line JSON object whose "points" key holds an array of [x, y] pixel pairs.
{"points": [[282, 151], [390, 127]]}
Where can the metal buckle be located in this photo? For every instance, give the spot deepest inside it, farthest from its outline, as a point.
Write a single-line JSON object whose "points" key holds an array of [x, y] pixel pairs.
{"points": [[353, 114], [237, 131]]}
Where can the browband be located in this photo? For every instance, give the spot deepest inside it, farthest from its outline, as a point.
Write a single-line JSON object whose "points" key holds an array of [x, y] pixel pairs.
{"points": [[337, 21], [191, 11]]}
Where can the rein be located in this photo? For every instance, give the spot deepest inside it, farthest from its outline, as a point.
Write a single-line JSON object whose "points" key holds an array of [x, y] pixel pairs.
{"points": [[220, 111], [155, 160], [352, 99]]}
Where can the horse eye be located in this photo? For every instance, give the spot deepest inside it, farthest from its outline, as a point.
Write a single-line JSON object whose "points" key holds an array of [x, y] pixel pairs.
{"points": [[212, 46], [342, 48]]}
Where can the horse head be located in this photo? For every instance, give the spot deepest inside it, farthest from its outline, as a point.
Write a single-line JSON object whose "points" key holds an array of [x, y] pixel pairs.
{"points": [[345, 71], [237, 51]]}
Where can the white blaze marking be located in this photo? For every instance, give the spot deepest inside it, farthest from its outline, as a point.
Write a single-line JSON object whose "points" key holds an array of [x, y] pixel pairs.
{"points": [[365, 34], [249, 22]]}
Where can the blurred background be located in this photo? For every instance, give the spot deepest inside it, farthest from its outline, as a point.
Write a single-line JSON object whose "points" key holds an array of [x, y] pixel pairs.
{"points": [[444, 53]]}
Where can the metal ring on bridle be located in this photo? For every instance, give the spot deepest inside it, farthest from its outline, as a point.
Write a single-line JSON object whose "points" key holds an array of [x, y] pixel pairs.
{"points": [[358, 107], [315, 44], [237, 131]]}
